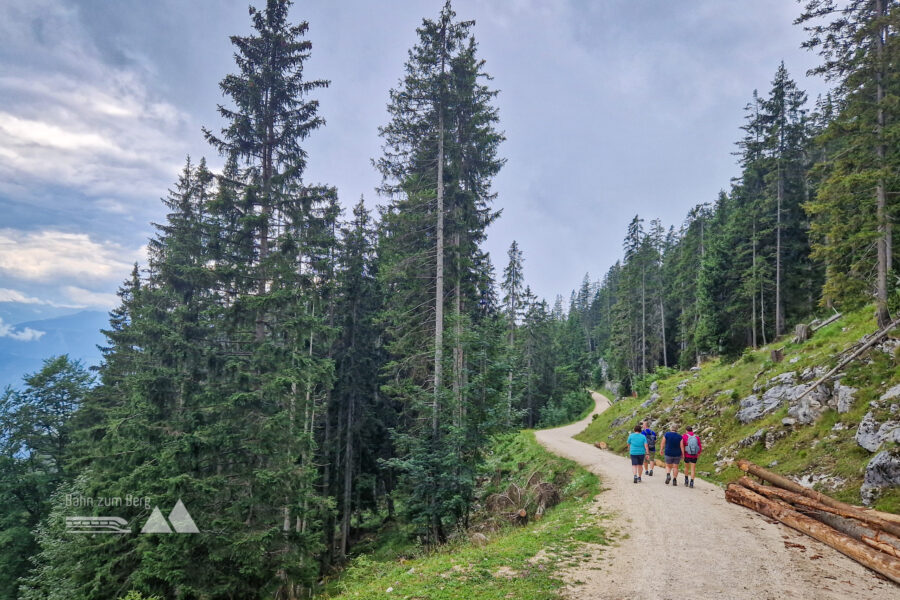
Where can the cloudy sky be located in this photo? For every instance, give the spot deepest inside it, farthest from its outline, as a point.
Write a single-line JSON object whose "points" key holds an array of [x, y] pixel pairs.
{"points": [[611, 108]]}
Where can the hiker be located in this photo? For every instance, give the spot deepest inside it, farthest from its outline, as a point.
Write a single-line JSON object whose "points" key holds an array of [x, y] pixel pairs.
{"points": [[672, 449], [692, 450], [637, 445], [651, 448]]}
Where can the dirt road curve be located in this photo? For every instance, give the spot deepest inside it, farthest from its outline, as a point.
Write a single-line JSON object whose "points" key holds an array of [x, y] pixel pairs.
{"points": [[685, 542]]}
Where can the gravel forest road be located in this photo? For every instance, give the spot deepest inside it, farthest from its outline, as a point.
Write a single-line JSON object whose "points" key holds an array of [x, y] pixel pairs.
{"points": [[684, 542]]}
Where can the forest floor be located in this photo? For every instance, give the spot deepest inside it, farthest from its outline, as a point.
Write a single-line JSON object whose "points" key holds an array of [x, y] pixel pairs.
{"points": [[676, 540]]}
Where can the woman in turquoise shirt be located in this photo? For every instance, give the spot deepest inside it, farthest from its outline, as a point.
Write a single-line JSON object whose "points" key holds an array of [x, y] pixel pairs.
{"points": [[637, 444]]}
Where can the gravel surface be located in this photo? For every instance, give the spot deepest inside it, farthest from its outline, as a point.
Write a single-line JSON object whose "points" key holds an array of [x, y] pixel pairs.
{"points": [[678, 542]]}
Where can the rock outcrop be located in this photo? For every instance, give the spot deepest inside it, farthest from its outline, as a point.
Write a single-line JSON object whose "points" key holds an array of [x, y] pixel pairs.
{"points": [[883, 471], [843, 397], [870, 435]]}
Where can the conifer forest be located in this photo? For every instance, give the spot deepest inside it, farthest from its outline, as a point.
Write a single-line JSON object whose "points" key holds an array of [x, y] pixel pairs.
{"points": [[306, 373]]}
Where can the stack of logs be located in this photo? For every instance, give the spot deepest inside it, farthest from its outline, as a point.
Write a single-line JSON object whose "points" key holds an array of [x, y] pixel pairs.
{"points": [[869, 537]]}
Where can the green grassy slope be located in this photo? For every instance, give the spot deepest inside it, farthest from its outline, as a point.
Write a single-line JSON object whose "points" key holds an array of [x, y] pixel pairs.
{"points": [[711, 398], [513, 562]]}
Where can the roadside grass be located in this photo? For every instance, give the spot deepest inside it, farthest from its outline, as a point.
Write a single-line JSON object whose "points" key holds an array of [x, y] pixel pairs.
{"points": [[515, 562], [711, 398]]}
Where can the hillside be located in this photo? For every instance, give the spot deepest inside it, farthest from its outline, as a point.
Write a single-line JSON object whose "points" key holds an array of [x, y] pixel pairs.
{"points": [[494, 559], [748, 408]]}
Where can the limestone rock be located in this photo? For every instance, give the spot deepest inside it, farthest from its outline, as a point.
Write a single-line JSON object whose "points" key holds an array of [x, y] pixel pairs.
{"points": [[787, 378], [752, 439], [883, 471], [811, 373], [653, 398], [773, 436], [892, 393], [654, 387], [889, 346], [788, 422], [843, 397], [866, 433], [871, 436]]}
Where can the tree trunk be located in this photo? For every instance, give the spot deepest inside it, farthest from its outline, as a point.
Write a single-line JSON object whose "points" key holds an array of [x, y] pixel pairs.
{"points": [[753, 292], [793, 486], [439, 278], [348, 477], [643, 324], [779, 312], [802, 500], [880, 562], [881, 311], [662, 321]]}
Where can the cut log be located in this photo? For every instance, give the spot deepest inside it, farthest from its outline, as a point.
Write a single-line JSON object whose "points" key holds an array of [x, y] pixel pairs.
{"points": [[882, 563], [777, 355], [879, 540], [875, 339], [793, 486], [851, 512], [601, 445], [520, 517]]}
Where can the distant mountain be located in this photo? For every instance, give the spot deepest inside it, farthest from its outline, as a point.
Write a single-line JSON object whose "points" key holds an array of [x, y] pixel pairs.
{"points": [[18, 312], [76, 335]]}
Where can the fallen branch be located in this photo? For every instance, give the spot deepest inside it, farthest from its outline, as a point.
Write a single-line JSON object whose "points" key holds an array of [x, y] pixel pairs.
{"points": [[828, 321], [882, 563], [802, 500], [875, 339], [793, 486]]}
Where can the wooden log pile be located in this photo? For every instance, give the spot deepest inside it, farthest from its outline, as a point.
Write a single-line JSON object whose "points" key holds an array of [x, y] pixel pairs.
{"points": [[870, 537]]}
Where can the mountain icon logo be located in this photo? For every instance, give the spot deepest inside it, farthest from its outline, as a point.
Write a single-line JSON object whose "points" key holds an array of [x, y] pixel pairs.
{"points": [[179, 518]]}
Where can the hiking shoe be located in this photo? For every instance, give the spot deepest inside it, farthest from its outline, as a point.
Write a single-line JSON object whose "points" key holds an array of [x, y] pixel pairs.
{"points": [[675, 482], [650, 473], [635, 478], [668, 478], [639, 478], [692, 483], [646, 472], [686, 480]]}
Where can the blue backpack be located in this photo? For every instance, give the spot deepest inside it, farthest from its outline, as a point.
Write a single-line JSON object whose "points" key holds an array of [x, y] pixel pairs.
{"points": [[693, 445]]}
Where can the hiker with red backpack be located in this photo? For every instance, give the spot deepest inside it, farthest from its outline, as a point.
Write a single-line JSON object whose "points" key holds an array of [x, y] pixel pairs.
{"points": [[692, 450]]}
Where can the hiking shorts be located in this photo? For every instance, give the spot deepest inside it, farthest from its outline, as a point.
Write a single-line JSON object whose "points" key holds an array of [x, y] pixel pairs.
{"points": [[690, 459], [637, 459], [648, 458], [673, 460]]}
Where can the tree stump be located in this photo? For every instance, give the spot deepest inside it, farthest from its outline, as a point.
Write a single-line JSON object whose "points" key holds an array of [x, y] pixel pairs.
{"points": [[777, 355], [520, 517], [801, 333]]}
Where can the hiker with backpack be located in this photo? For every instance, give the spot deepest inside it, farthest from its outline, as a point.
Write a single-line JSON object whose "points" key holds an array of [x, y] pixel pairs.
{"points": [[672, 449], [692, 450], [651, 448], [637, 446]]}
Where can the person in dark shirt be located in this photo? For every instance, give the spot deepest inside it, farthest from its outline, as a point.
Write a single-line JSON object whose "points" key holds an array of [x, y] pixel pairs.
{"points": [[672, 450], [651, 448]]}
